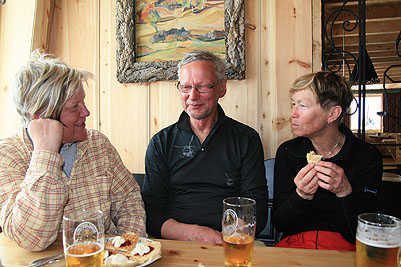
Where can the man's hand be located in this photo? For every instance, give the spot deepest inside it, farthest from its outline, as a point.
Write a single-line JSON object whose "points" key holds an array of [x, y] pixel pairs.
{"points": [[172, 229], [307, 182], [46, 134], [204, 234], [332, 178]]}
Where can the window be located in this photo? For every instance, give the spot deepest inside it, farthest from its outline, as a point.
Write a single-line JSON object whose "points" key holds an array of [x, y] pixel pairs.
{"points": [[373, 104]]}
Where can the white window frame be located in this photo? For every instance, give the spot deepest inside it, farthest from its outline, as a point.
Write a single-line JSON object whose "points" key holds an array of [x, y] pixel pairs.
{"points": [[373, 122]]}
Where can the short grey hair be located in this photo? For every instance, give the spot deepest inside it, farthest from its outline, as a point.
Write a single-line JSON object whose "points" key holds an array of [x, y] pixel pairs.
{"points": [[218, 63], [43, 85]]}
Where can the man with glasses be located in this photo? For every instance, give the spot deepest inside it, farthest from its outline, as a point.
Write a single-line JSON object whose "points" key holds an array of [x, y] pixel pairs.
{"points": [[192, 165]]}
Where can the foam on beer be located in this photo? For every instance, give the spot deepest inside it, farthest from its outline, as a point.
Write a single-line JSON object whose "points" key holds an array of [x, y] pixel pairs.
{"points": [[378, 240]]}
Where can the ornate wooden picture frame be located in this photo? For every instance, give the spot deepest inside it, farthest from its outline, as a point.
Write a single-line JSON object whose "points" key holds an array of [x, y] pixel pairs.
{"points": [[128, 70]]}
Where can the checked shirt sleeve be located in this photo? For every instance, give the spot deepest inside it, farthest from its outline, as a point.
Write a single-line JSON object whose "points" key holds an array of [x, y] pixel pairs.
{"points": [[32, 197], [127, 208]]}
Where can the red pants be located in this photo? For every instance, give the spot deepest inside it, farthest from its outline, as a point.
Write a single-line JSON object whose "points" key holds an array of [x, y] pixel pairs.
{"points": [[317, 240]]}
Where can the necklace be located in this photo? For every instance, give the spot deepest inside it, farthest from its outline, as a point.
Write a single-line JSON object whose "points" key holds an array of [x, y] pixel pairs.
{"points": [[332, 150]]}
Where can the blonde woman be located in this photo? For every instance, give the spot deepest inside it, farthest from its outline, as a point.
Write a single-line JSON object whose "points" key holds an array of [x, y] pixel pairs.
{"points": [[53, 164]]}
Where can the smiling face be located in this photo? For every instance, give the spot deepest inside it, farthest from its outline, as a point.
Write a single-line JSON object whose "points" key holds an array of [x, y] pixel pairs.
{"points": [[200, 105], [308, 118], [73, 116]]}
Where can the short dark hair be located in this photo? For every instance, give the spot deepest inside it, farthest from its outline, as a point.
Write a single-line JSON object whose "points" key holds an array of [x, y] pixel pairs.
{"points": [[331, 89]]}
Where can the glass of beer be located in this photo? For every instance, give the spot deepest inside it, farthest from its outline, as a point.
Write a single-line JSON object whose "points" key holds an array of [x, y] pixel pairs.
{"points": [[83, 238], [378, 240], [238, 228]]}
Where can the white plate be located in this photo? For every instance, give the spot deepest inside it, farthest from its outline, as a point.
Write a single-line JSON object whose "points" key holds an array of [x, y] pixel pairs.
{"points": [[140, 239]]}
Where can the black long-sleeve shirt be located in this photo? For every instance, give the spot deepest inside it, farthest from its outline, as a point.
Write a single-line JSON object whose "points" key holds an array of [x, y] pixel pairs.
{"points": [[292, 214], [187, 181]]}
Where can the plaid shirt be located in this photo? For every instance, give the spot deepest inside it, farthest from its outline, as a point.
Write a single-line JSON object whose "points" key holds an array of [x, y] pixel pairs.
{"points": [[35, 192]]}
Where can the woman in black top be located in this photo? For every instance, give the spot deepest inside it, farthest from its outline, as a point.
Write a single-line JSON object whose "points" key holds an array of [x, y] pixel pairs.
{"points": [[316, 205]]}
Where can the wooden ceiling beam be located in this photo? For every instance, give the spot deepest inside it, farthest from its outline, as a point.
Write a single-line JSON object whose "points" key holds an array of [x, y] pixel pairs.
{"points": [[384, 59], [372, 11], [339, 3], [370, 37], [377, 26], [374, 51], [42, 24]]}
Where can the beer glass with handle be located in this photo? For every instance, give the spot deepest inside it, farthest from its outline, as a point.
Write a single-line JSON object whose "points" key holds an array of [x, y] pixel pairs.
{"points": [[378, 240], [238, 228], [83, 238]]}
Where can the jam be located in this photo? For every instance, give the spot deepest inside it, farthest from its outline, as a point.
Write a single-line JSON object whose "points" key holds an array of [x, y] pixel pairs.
{"points": [[126, 243], [150, 250]]}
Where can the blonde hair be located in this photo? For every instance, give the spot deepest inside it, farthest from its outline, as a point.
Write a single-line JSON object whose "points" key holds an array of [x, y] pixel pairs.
{"points": [[329, 88], [43, 85]]}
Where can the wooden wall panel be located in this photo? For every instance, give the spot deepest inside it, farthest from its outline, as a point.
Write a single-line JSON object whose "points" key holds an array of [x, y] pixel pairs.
{"points": [[42, 24], [126, 124], [75, 38], [16, 28], [124, 108], [242, 101], [165, 105], [293, 57], [317, 35], [268, 92]]}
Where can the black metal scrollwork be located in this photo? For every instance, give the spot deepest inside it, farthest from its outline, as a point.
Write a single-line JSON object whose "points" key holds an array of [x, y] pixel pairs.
{"points": [[327, 32], [386, 111]]}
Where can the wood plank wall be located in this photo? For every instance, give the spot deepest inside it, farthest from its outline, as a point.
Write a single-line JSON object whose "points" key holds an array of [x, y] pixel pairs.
{"points": [[16, 26], [82, 32]]}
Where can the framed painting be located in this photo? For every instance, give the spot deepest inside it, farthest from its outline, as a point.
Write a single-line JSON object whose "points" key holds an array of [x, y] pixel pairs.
{"points": [[145, 51]]}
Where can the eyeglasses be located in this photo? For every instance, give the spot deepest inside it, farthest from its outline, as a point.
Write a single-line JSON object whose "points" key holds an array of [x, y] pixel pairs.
{"points": [[200, 88]]}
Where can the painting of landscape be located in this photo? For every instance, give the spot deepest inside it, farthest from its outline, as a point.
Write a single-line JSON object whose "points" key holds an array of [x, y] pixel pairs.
{"points": [[168, 29]]}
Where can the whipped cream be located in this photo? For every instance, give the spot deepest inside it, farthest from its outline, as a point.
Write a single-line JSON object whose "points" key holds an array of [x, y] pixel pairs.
{"points": [[140, 249], [105, 254], [117, 259], [118, 241]]}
